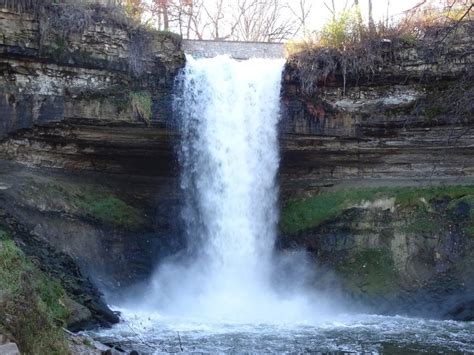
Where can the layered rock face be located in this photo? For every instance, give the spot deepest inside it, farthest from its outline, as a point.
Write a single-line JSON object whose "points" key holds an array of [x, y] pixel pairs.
{"points": [[399, 123], [354, 159], [87, 145]]}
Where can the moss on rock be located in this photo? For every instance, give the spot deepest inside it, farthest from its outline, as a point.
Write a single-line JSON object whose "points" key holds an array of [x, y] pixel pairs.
{"points": [[387, 244], [94, 202], [421, 221], [370, 271], [109, 209], [141, 103], [300, 215]]}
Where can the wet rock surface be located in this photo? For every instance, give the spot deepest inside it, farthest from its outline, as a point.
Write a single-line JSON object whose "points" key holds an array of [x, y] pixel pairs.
{"points": [[112, 226], [87, 146], [8, 347], [410, 122], [89, 176]]}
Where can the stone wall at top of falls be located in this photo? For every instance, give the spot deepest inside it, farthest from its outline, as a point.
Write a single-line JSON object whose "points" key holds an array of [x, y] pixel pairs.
{"points": [[410, 120]]}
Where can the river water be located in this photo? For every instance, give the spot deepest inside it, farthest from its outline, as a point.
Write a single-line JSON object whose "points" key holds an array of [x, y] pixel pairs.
{"points": [[228, 292], [357, 334]]}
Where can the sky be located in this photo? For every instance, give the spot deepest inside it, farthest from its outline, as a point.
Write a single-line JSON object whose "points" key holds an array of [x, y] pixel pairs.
{"points": [[320, 14]]}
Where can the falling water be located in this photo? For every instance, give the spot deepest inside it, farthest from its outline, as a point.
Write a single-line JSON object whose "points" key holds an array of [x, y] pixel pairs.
{"points": [[228, 111], [229, 159]]}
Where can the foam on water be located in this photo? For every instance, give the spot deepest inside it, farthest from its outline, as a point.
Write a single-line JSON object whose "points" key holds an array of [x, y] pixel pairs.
{"points": [[355, 334]]}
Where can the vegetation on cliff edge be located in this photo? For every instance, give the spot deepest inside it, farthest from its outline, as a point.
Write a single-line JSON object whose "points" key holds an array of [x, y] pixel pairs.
{"points": [[349, 48]]}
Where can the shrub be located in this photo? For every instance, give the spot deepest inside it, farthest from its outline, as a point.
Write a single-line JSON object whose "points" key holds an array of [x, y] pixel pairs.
{"points": [[68, 17], [351, 49], [345, 45], [141, 102], [343, 31]]}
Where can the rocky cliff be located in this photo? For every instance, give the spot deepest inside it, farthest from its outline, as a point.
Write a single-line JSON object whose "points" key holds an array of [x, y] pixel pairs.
{"points": [[377, 174], [87, 163]]}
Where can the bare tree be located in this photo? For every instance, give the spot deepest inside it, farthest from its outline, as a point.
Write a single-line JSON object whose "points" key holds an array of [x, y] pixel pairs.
{"points": [[301, 12], [359, 15], [134, 8], [263, 21], [246, 20], [371, 18], [160, 10], [195, 23], [220, 20], [332, 9]]}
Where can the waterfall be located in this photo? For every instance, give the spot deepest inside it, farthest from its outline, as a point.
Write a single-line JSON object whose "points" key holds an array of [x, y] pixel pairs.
{"points": [[228, 112], [229, 157]]}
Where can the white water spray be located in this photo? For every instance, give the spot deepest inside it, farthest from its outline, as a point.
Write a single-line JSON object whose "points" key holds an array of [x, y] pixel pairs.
{"points": [[229, 112]]}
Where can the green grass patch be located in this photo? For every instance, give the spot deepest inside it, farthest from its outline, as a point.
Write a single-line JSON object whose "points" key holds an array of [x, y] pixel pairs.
{"points": [[109, 209], [308, 213], [12, 264], [90, 201], [142, 104], [370, 271], [4, 234], [30, 304], [422, 222]]}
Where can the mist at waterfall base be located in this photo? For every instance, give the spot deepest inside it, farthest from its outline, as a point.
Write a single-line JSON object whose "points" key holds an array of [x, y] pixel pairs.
{"points": [[229, 290]]}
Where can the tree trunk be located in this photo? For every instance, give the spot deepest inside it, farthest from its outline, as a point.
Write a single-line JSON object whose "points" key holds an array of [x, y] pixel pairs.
{"points": [[371, 19], [166, 21]]}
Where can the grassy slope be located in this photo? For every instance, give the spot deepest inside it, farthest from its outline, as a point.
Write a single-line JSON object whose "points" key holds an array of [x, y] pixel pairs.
{"points": [[30, 303], [91, 201]]}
